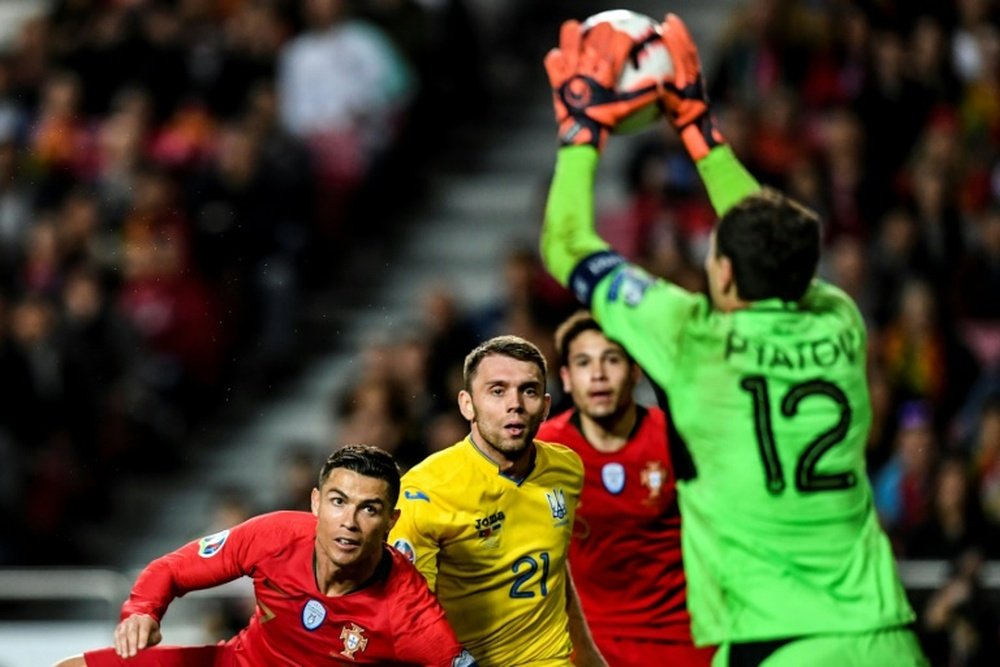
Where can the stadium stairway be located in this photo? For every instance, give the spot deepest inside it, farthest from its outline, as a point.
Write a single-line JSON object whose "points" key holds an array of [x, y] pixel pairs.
{"points": [[483, 196]]}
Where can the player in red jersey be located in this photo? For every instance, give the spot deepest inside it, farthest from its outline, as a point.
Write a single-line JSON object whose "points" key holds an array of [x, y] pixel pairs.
{"points": [[626, 551], [329, 590]]}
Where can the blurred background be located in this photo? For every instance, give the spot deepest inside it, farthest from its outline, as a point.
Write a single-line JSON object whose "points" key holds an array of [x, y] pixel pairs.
{"points": [[238, 234]]}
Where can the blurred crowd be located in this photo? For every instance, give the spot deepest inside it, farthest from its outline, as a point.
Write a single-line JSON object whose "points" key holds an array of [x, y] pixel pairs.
{"points": [[156, 234], [175, 177]]}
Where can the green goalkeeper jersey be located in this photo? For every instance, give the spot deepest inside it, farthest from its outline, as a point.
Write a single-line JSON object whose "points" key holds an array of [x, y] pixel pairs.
{"points": [[780, 536]]}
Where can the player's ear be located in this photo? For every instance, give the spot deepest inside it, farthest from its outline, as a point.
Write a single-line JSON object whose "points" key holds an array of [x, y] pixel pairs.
{"points": [[564, 376], [465, 405], [392, 521], [727, 280], [636, 373], [548, 406], [314, 501]]}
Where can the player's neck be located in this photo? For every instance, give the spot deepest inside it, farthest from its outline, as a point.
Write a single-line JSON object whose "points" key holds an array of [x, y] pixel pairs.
{"points": [[519, 468], [609, 434], [334, 580]]}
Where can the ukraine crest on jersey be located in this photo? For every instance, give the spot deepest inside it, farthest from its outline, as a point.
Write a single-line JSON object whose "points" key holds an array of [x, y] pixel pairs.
{"points": [[494, 549]]}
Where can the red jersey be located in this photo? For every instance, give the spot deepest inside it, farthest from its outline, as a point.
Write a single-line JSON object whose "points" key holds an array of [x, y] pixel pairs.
{"points": [[626, 549], [393, 620]]}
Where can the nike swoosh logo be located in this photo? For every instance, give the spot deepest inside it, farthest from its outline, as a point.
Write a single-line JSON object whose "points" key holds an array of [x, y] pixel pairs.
{"points": [[416, 495]]}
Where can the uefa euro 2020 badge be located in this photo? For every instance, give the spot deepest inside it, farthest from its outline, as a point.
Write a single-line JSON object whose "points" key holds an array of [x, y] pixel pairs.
{"points": [[354, 640], [404, 547], [557, 503], [210, 545]]}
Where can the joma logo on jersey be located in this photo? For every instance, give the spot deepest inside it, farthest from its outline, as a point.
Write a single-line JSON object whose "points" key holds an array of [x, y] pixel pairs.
{"points": [[490, 524], [557, 503]]}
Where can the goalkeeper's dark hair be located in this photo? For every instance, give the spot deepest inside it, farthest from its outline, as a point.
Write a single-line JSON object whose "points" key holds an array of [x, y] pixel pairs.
{"points": [[573, 326], [514, 347], [364, 460], [773, 243]]}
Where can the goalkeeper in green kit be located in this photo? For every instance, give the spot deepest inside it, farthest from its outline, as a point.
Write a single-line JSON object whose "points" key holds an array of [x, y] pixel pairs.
{"points": [[764, 379]]}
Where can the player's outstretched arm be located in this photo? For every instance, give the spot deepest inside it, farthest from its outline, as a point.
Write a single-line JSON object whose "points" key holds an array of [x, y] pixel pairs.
{"points": [[688, 110]]}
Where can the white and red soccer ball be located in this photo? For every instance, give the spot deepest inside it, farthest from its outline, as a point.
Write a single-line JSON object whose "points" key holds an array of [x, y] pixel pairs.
{"points": [[649, 62]]}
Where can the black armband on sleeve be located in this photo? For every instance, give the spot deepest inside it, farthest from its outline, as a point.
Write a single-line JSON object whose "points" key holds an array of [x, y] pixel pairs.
{"points": [[590, 271]]}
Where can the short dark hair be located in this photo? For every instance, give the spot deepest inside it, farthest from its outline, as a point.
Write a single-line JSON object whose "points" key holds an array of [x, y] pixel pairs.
{"points": [[773, 243], [514, 347], [364, 460], [573, 326]]}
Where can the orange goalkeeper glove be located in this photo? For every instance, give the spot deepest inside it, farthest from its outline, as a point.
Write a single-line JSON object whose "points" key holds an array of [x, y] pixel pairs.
{"points": [[685, 100], [583, 71]]}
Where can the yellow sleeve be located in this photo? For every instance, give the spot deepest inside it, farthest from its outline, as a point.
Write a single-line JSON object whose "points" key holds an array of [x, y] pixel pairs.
{"points": [[415, 532]]}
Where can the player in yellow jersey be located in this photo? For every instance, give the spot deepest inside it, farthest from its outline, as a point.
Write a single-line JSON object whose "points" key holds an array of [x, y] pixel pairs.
{"points": [[488, 520]]}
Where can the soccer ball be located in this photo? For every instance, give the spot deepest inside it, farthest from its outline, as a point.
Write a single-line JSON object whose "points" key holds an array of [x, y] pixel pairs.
{"points": [[649, 61]]}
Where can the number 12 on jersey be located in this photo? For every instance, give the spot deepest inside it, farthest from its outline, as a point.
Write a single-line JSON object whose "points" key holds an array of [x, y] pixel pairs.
{"points": [[807, 480]]}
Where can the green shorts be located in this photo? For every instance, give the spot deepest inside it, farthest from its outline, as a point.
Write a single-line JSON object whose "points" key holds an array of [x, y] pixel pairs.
{"points": [[895, 646]]}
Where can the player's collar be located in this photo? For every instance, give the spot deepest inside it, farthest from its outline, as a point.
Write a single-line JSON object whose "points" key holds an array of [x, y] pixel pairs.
{"points": [[490, 466], [381, 572], [773, 305], [640, 415]]}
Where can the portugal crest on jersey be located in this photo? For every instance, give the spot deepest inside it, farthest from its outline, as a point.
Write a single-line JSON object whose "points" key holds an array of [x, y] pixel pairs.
{"points": [[652, 478], [613, 477], [354, 640]]}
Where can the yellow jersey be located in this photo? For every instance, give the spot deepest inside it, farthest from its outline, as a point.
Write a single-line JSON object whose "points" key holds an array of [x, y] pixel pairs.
{"points": [[493, 549]]}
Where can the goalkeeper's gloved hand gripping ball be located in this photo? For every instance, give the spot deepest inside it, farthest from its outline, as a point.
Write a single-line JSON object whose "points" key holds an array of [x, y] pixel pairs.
{"points": [[685, 100], [583, 72]]}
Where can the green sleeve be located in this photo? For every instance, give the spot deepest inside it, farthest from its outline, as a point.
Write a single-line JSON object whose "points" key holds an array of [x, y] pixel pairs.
{"points": [[572, 250], [568, 235], [725, 178], [649, 316]]}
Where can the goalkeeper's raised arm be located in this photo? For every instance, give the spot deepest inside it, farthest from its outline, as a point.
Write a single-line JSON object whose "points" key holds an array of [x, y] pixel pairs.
{"points": [[582, 72]]}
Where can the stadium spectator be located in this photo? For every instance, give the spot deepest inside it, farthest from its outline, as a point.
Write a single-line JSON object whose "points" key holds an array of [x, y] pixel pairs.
{"points": [[955, 523], [959, 623], [903, 486], [344, 88], [297, 461]]}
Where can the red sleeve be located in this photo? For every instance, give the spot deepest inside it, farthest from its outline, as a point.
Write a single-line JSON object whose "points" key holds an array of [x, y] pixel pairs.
{"points": [[204, 563], [423, 636]]}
